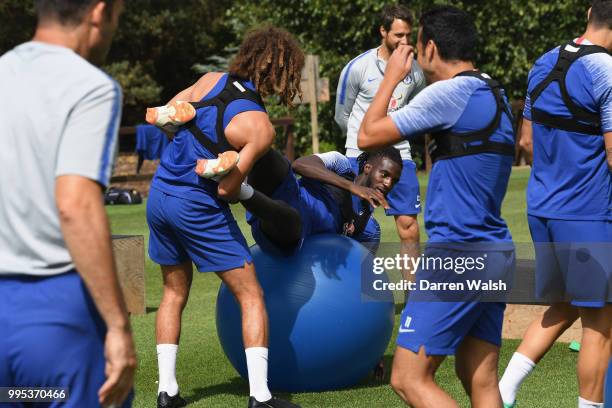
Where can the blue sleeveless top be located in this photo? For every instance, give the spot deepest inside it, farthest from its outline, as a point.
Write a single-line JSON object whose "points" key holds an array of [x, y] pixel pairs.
{"points": [[175, 175]]}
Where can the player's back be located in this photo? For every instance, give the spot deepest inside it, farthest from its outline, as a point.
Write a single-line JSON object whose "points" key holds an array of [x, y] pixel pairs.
{"points": [[465, 193], [45, 87], [175, 175], [570, 178]]}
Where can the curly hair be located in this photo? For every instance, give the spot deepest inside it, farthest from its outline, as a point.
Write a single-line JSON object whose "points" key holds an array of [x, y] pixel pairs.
{"points": [[389, 152], [272, 59]]}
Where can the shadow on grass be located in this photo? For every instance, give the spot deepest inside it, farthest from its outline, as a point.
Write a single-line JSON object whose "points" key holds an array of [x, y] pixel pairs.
{"points": [[398, 308], [151, 309], [240, 387], [236, 386]]}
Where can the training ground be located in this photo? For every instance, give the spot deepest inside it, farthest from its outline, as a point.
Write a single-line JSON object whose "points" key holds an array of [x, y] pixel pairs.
{"points": [[207, 379]]}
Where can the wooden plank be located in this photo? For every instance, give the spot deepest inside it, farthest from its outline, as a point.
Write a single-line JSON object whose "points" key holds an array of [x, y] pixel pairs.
{"points": [[129, 256]]}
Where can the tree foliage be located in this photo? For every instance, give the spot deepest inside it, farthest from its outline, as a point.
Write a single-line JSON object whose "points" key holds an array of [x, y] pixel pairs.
{"points": [[162, 44], [155, 48], [513, 33]]}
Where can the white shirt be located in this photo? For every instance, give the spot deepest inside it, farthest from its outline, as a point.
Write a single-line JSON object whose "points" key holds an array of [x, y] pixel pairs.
{"points": [[358, 84]]}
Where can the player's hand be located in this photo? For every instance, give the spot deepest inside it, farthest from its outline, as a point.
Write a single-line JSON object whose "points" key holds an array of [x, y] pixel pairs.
{"points": [[120, 367], [374, 197], [400, 63]]}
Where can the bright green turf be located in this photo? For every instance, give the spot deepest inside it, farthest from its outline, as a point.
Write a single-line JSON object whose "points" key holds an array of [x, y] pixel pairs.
{"points": [[207, 379]]}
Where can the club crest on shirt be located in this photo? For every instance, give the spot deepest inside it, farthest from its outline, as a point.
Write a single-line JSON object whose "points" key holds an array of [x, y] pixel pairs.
{"points": [[394, 103]]}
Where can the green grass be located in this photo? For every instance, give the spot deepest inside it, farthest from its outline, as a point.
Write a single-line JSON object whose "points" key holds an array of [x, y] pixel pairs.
{"points": [[207, 379]]}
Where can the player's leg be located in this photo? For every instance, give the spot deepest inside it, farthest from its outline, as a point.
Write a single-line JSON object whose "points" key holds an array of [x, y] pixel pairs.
{"points": [[175, 113], [594, 353], [177, 282], [243, 284], [476, 366], [545, 330], [280, 222], [537, 340], [274, 199], [166, 249], [413, 379], [585, 244], [408, 231], [405, 205], [269, 172]]}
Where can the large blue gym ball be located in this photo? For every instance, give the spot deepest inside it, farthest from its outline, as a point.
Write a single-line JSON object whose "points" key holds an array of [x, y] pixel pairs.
{"points": [[325, 334]]}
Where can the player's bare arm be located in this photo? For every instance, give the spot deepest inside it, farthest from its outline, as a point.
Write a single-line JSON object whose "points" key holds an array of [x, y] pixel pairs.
{"points": [[377, 129], [87, 234], [314, 168], [252, 134], [526, 141], [608, 143]]}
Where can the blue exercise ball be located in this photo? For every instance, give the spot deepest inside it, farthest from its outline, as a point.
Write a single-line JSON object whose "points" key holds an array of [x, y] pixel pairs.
{"points": [[325, 334]]}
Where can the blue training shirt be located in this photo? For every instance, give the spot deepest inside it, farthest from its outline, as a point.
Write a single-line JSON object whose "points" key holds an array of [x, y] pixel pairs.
{"points": [[464, 194], [175, 175], [570, 179], [327, 203]]}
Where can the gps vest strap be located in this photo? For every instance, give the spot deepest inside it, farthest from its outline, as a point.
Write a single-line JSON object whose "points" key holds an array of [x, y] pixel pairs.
{"points": [[582, 121], [234, 89], [447, 144]]}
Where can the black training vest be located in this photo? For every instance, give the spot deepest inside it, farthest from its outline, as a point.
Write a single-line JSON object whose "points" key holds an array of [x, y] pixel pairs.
{"points": [[447, 144], [234, 89], [582, 121]]}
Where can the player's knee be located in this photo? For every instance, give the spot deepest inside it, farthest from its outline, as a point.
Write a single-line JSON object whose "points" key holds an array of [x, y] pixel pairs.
{"points": [[175, 297], [397, 383], [484, 380], [408, 228], [410, 391], [250, 296], [407, 383]]}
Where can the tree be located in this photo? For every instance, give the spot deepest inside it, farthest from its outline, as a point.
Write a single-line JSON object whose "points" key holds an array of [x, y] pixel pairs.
{"points": [[513, 34], [154, 50]]}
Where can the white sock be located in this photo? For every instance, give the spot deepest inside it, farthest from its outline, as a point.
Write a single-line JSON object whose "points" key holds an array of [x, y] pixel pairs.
{"points": [[519, 367], [582, 403], [166, 362], [257, 366], [246, 192]]}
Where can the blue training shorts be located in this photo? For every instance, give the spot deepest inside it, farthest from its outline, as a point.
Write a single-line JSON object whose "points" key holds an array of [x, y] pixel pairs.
{"points": [[441, 325], [573, 260], [405, 197], [182, 230], [52, 336]]}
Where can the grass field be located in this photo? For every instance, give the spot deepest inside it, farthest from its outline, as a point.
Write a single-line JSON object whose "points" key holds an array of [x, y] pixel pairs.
{"points": [[207, 379]]}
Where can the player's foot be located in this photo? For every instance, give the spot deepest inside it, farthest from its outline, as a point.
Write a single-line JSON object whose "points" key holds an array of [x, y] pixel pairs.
{"points": [[509, 405], [175, 113], [166, 401], [209, 168], [271, 403]]}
